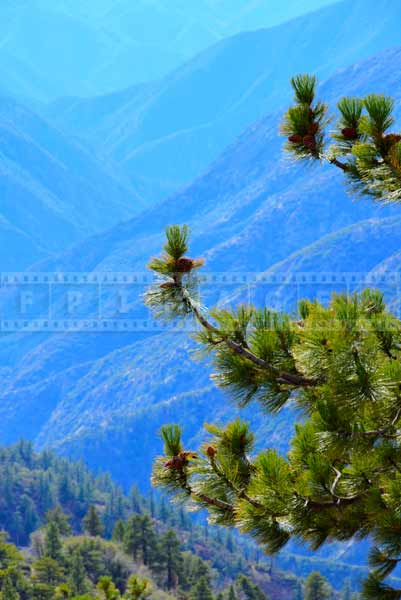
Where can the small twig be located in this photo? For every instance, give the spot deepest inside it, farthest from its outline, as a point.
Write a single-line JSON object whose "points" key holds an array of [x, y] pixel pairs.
{"points": [[214, 502], [337, 163], [384, 430], [207, 499], [240, 493]]}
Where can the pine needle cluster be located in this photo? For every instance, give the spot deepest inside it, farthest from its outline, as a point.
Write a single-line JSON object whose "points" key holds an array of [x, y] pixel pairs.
{"points": [[361, 143]]}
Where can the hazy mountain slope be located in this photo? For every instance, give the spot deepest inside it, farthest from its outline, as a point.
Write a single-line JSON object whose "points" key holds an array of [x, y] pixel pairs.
{"points": [[53, 191], [251, 210], [343, 261], [21, 248], [58, 48], [86, 48], [169, 132], [19, 78]]}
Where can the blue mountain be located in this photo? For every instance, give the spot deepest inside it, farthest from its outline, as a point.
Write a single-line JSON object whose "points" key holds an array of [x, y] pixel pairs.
{"points": [[252, 212], [54, 192], [85, 48], [168, 132]]}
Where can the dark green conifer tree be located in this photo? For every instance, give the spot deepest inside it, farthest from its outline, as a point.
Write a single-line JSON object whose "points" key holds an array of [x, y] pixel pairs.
{"points": [[136, 500], [231, 593], [249, 590], [201, 590], [77, 574], [8, 590], [57, 516], [317, 588], [132, 540], [171, 558], [92, 523], [119, 531], [53, 543], [47, 575]]}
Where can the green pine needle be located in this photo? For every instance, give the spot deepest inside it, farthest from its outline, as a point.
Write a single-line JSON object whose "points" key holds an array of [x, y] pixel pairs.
{"points": [[304, 87]]}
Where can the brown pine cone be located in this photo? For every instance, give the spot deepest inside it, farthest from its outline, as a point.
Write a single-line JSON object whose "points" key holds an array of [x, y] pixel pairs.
{"points": [[180, 461], [211, 452], [350, 133], [309, 142], [393, 138], [177, 463], [184, 264], [167, 286], [295, 139]]}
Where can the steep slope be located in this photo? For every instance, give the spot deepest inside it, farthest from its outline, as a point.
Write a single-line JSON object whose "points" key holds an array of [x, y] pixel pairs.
{"points": [[251, 211], [349, 259], [169, 132], [86, 48], [54, 192]]}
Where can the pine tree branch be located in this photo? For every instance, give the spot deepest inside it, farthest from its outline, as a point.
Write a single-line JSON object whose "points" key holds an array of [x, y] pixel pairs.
{"points": [[382, 432], [214, 502], [285, 378], [240, 493], [335, 482], [226, 506], [339, 503], [334, 161]]}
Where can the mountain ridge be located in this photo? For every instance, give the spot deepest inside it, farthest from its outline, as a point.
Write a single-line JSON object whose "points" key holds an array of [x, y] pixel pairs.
{"points": [[54, 191], [169, 133], [251, 211]]}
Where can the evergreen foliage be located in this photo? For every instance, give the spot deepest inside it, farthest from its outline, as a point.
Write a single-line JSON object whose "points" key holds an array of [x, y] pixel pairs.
{"points": [[53, 541], [316, 588], [87, 567], [173, 544], [340, 364], [362, 145], [92, 523], [137, 588], [201, 590], [38, 488]]}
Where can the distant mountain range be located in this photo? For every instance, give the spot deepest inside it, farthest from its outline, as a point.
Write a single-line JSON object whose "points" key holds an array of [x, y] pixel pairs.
{"points": [[167, 133], [85, 48], [104, 395], [53, 191]]}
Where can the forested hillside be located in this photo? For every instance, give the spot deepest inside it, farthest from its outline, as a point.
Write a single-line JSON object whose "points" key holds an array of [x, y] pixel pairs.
{"points": [[76, 528]]}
